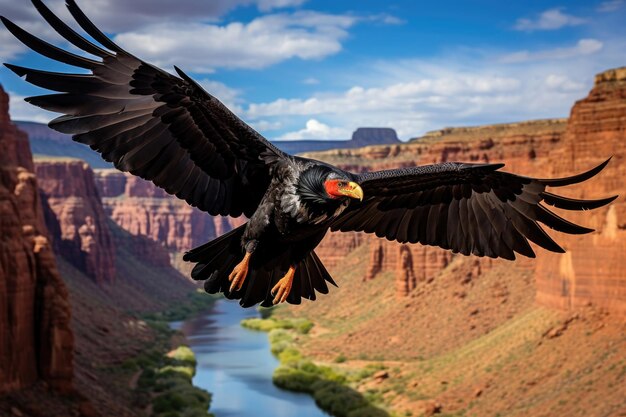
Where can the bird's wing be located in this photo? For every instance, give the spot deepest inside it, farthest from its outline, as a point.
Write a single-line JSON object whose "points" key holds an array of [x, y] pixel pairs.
{"points": [[468, 208], [150, 123]]}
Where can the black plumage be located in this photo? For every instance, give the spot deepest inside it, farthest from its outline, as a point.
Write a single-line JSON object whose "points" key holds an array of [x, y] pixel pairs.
{"points": [[167, 129]]}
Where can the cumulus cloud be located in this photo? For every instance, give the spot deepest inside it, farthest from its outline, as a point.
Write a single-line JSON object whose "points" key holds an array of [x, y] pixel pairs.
{"points": [[582, 47], [435, 93], [262, 42], [315, 129], [551, 19]]}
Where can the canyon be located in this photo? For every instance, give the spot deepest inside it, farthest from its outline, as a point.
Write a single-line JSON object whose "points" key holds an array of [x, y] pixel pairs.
{"points": [[79, 241]]}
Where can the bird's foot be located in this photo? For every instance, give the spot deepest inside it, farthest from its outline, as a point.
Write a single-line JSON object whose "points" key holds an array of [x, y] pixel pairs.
{"points": [[239, 273], [283, 287]]}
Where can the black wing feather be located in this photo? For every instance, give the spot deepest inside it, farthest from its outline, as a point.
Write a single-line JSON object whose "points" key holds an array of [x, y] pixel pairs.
{"points": [[151, 123], [468, 208]]}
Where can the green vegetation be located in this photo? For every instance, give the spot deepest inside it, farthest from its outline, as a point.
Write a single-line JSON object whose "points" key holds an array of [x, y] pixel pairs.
{"points": [[196, 302], [331, 388], [165, 379], [302, 326]]}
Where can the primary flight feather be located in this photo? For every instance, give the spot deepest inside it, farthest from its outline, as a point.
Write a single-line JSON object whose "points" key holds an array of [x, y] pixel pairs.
{"points": [[169, 130]]}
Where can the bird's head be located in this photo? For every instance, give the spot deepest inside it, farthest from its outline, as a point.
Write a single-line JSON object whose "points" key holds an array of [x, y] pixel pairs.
{"points": [[342, 187], [323, 184]]}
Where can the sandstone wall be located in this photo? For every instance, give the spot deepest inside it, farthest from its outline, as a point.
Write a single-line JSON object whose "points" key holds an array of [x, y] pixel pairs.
{"points": [[36, 342], [85, 239], [593, 270], [141, 208]]}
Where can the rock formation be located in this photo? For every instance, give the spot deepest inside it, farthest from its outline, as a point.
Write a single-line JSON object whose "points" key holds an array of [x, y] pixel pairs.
{"points": [[141, 208], [592, 270], [36, 342], [85, 239]]}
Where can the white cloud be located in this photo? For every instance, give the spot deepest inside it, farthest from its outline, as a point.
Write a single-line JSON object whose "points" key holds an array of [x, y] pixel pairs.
{"points": [[387, 19], [311, 81], [582, 47], [432, 92], [266, 125], [548, 20], [123, 15], [461, 89], [610, 6], [262, 42], [561, 82], [316, 130]]}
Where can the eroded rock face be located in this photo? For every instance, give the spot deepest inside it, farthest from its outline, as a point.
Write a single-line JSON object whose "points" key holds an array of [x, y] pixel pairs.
{"points": [[36, 342], [592, 270], [141, 208], [85, 239]]}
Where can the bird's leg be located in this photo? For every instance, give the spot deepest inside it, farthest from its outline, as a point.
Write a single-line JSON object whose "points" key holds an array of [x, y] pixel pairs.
{"points": [[283, 287], [238, 276]]}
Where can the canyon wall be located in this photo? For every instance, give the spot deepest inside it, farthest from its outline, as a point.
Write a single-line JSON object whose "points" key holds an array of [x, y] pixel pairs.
{"points": [[592, 270], [36, 342], [141, 208], [85, 240]]}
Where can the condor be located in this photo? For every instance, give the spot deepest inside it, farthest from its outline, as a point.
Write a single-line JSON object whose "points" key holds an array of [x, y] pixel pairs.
{"points": [[168, 130]]}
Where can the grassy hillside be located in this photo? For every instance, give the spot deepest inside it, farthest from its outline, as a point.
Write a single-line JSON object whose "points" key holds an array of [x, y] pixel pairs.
{"points": [[467, 347]]}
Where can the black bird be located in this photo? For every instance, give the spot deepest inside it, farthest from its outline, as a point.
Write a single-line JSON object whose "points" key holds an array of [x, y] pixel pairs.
{"points": [[169, 130]]}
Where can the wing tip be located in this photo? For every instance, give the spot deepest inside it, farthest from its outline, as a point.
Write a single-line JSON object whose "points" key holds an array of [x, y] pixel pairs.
{"points": [[20, 71], [576, 179]]}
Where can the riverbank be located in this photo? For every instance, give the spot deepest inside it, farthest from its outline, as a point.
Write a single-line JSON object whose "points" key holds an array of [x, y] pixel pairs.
{"points": [[161, 376], [333, 388]]}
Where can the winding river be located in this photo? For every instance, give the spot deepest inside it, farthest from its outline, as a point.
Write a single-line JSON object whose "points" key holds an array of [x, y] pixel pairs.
{"points": [[236, 365]]}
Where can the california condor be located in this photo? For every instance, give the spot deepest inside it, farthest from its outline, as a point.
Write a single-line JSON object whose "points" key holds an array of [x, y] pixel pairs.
{"points": [[169, 130]]}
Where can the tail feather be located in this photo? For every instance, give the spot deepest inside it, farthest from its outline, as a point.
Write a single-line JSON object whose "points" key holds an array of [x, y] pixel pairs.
{"points": [[216, 259]]}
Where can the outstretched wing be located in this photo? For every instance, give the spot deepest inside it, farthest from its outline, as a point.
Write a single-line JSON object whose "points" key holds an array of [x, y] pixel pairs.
{"points": [[468, 208], [150, 123]]}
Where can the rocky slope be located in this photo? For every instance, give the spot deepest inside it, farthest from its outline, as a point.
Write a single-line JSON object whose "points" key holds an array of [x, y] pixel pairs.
{"points": [[36, 342]]}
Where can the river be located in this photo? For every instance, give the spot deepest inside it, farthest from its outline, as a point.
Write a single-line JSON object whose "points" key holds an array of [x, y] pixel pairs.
{"points": [[236, 366]]}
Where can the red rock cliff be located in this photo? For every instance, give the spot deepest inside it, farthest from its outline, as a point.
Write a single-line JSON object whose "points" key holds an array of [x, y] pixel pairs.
{"points": [[85, 239], [141, 208], [593, 271], [36, 342]]}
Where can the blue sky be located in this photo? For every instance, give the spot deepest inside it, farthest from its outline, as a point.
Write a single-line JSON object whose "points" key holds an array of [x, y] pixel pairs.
{"points": [[319, 69]]}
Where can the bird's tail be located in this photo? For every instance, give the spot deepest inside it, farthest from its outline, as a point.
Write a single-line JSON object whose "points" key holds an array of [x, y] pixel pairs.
{"points": [[216, 259]]}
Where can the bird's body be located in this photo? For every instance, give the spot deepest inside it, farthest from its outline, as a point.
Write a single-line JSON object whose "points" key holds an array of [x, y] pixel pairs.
{"points": [[170, 131]]}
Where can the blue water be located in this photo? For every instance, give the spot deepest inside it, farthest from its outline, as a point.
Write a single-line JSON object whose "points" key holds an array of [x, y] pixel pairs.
{"points": [[236, 365]]}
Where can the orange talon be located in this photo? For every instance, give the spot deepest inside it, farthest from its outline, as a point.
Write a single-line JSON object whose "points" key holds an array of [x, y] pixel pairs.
{"points": [[283, 287], [240, 271]]}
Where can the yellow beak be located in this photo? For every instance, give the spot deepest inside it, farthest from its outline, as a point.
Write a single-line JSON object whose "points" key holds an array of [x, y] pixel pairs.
{"points": [[352, 190]]}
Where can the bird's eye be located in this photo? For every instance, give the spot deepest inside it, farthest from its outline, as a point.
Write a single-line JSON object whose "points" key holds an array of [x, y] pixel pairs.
{"points": [[342, 183]]}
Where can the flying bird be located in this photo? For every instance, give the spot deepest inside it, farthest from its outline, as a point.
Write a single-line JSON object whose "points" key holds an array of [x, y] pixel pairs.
{"points": [[167, 129]]}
